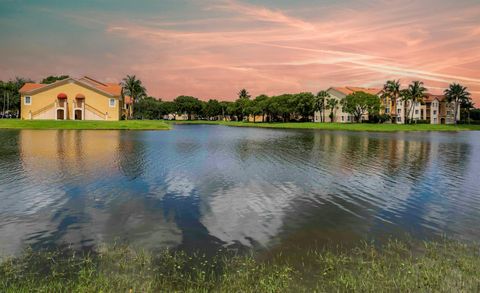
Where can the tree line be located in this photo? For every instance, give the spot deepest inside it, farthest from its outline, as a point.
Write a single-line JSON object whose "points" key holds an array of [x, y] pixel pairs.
{"points": [[302, 106], [263, 108]]}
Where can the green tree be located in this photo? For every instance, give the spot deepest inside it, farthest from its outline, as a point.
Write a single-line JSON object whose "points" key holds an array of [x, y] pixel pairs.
{"points": [[332, 104], [188, 105], [391, 89], [304, 105], [149, 108], [320, 103], [262, 102], [243, 94], [169, 107], [467, 107], [457, 94], [242, 104], [133, 87], [361, 103], [413, 94], [225, 107], [52, 79], [10, 93], [213, 108], [283, 106]]}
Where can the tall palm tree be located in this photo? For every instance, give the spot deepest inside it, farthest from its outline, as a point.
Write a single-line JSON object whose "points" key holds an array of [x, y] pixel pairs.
{"points": [[320, 103], [392, 90], [457, 94], [133, 87], [414, 94], [332, 105]]}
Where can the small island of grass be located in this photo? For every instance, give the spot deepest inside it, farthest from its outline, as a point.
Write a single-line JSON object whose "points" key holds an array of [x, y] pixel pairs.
{"points": [[84, 125]]}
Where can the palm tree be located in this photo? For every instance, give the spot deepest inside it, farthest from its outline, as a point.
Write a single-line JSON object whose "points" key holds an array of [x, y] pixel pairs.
{"points": [[468, 106], [332, 105], [320, 103], [457, 94], [415, 93], [134, 88], [392, 90]]}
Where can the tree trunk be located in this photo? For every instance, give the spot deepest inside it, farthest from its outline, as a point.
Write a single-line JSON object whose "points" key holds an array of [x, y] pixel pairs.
{"points": [[4, 98], [455, 114], [394, 109]]}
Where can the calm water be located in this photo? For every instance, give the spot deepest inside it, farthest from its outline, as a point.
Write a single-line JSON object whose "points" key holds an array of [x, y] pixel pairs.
{"points": [[206, 187]]}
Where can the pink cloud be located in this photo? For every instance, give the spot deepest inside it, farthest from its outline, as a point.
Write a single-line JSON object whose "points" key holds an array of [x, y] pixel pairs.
{"points": [[272, 50]]}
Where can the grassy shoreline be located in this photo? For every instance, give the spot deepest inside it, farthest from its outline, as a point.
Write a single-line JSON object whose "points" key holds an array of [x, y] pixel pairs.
{"points": [[396, 266], [341, 126], [166, 125], [84, 125]]}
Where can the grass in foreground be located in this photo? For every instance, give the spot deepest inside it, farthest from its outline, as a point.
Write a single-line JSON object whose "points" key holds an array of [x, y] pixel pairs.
{"points": [[84, 125], [341, 126], [435, 267]]}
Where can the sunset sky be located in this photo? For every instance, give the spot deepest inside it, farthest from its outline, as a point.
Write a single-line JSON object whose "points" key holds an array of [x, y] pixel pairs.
{"points": [[213, 48]]}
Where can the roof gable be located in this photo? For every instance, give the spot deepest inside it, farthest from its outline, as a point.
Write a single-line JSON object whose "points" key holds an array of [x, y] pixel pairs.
{"points": [[347, 90], [107, 89]]}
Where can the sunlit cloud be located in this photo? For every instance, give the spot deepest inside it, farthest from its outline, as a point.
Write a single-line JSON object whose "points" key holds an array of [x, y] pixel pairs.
{"points": [[217, 47]]}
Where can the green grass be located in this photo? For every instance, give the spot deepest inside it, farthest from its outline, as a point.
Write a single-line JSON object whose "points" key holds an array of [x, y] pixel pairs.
{"points": [[103, 125], [395, 267], [342, 126]]}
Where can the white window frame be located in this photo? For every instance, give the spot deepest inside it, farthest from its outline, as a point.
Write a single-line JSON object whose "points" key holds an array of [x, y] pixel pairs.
{"points": [[110, 102], [25, 100]]}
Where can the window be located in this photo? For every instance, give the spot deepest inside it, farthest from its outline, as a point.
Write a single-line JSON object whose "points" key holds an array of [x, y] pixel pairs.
{"points": [[416, 112], [387, 110], [343, 118], [434, 112], [399, 111], [399, 119], [28, 100], [112, 103]]}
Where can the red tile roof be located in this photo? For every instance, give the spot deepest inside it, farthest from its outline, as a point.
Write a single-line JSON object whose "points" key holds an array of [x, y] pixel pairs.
{"points": [[110, 88], [431, 97], [31, 86], [350, 89]]}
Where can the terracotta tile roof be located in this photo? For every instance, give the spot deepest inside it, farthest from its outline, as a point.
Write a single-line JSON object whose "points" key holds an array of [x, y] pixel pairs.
{"points": [[351, 89], [431, 97], [31, 86], [110, 88]]}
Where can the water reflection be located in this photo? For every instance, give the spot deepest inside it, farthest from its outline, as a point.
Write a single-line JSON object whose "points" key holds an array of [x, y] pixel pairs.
{"points": [[202, 187]]}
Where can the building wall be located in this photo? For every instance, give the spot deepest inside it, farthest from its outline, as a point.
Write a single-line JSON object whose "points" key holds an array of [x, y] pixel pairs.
{"points": [[340, 116], [93, 98]]}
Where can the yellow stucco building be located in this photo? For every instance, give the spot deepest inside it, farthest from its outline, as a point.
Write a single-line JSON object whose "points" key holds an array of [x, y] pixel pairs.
{"points": [[72, 99]]}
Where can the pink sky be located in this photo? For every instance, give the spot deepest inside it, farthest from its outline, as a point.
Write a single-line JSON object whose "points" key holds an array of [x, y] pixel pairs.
{"points": [[212, 49]]}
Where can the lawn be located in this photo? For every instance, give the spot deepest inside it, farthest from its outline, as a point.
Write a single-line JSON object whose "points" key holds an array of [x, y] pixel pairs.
{"points": [[342, 126], [394, 267], [69, 124]]}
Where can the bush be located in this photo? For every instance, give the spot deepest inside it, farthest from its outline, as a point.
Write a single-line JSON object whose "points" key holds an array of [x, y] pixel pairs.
{"points": [[423, 122], [378, 118]]}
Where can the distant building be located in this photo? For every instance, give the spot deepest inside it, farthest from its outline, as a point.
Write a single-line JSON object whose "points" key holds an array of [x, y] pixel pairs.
{"points": [[73, 99], [339, 93]]}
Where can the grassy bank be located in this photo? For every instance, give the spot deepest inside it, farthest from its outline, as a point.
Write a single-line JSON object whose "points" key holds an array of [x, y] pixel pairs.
{"points": [[435, 266], [99, 125], [342, 126]]}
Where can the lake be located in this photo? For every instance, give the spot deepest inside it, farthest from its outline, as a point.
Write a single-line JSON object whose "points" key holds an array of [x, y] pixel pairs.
{"points": [[206, 187]]}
